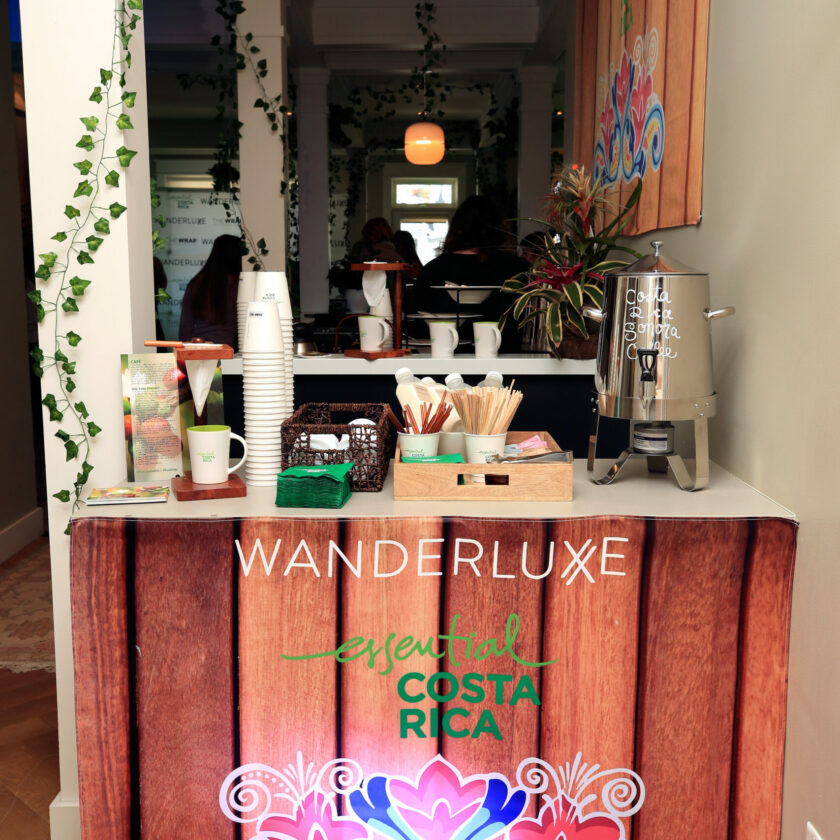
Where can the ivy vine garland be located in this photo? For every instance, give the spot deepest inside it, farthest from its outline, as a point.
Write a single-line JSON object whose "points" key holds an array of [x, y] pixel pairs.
{"points": [[60, 288]]}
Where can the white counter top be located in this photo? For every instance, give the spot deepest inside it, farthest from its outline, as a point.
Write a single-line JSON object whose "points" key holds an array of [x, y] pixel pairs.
{"points": [[634, 493], [518, 364]]}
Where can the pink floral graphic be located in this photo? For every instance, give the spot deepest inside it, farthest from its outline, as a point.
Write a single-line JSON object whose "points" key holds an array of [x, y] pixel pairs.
{"points": [[314, 819], [561, 820]]}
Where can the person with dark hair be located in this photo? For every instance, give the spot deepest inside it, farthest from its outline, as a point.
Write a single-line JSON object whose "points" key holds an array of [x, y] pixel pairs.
{"points": [[406, 248], [160, 282], [208, 310], [477, 251]]}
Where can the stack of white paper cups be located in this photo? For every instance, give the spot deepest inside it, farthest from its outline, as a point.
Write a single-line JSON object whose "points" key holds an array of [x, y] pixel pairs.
{"points": [[267, 387], [244, 295]]}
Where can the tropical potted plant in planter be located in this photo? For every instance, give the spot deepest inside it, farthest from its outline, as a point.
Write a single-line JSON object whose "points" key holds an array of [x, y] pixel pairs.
{"points": [[568, 270]]}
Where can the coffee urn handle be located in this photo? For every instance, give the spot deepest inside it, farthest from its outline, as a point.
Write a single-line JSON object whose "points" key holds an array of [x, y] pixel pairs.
{"points": [[593, 313], [714, 314], [647, 362]]}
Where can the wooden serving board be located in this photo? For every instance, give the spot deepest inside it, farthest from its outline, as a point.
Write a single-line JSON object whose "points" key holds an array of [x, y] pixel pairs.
{"points": [[524, 482], [370, 355], [186, 490]]}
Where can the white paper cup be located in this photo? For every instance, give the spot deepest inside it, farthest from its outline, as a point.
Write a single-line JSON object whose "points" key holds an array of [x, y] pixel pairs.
{"points": [[452, 443], [374, 333], [488, 339], [210, 453], [444, 339], [262, 329], [418, 446], [479, 446]]}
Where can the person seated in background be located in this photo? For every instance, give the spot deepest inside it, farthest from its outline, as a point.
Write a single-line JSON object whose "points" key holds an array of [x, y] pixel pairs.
{"points": [[208, 310], [477, 251], [377, 243], [407, 249]]}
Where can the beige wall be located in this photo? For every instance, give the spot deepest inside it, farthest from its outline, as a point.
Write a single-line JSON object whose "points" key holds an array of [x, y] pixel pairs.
{"points": [[768, 238]]}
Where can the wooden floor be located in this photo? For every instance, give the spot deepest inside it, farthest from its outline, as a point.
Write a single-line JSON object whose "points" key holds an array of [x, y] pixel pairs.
{"points": [[28, 754]]}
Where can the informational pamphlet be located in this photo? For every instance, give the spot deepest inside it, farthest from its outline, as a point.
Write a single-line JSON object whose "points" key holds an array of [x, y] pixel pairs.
{"points": [[128, 494]]}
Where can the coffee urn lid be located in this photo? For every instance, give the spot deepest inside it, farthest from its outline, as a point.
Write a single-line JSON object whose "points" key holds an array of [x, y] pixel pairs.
{"points": [[656, 264]]}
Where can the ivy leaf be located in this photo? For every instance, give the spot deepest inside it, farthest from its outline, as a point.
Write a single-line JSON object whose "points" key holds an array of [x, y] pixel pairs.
{"points": [[93, 429], [78, 285], [37, 354], [84, 166], [70, 305], [90, 123], [62, 435], [86, 143], [62, 495], [43, 272], [96, 96], [117, 210], [124, 122], [67, 530], [72, 449], [37, 370], [136, 4], [35, 297], [102, 225], [158, 241], [113, 178], [132, 24], [40, 313], [128, 98], [106, 75], [125, 155], [84, 258], [87, 469], [93, 242], [49, 258], [82, 409], [69, 385], [128, 59], [71, 212], [73, 339], [60, 236], [59, 356], [49, 402], [84, 188], [69, 367]]}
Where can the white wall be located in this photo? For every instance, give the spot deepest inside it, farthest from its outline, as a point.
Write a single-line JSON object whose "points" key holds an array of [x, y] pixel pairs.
{"points": [[768, 238]]}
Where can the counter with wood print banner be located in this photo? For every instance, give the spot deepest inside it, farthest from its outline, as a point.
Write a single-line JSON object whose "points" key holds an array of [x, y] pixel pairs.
{"points": [[430, 678]]}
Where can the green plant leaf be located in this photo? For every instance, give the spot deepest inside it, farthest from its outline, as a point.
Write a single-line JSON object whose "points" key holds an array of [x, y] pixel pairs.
{"points": [[69, 385], [73, 339], [125, 155], [49, 258], [84, 166], [124, 122], [577, 320], [59, 356], [554, 323], [93, 242], [128, 98], [117, 210], [86, 143], [87, 469], [594, 293], [93, 429], [60, 236], [35, 297], [71, 448], [78, 285], [102, 225], [62, 495], [113, 178], [62, 435], [43, 272], [40, 313], [96, 96], [90, 123], [49, 402], [71, 212], [105, 76], [70, 305], [37, 354], [84, 188], [84, 258], [69, 367], [135, 4], [128, 59], [574, 294], [82, 409]]}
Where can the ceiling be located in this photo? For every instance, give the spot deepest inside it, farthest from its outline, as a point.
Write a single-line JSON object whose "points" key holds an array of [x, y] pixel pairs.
{"points": [[361, 42]]}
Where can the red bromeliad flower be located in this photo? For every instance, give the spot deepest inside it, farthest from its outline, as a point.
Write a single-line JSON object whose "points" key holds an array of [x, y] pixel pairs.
{"points": [[561, 820], [558, 275]]}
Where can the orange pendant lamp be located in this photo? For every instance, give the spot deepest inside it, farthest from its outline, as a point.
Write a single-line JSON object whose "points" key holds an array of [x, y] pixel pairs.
{"points": [[424, 143]]}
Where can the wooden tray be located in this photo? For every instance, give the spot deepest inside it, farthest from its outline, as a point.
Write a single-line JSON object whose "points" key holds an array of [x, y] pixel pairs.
{"points": [[186, 490], [370, 355], [525, 482]]}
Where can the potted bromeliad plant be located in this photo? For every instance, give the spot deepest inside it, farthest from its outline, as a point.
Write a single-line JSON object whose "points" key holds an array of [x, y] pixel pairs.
{"points": [[570, 259]]}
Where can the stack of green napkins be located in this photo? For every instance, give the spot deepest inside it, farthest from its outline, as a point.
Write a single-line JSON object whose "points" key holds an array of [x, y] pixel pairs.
{"points": [[317, 487]]}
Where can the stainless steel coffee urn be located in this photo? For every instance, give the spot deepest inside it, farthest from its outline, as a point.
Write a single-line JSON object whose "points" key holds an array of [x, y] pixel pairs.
{"points": [[654, 363]]}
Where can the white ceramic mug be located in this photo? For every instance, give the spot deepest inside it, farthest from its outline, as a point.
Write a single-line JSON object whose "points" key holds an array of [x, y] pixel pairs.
{"points": [[374, 333], [444, 338], [210, 453], [488, 339]]}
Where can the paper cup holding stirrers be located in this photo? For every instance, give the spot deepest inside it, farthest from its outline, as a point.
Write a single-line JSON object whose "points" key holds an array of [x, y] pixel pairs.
{"points": [[420, 439], [487, 414]]}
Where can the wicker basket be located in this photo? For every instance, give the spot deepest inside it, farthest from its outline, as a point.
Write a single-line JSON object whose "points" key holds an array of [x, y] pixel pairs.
{"points": [[370, 446]]}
